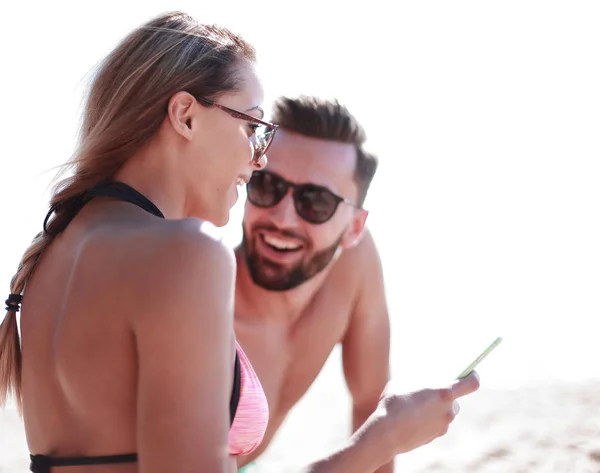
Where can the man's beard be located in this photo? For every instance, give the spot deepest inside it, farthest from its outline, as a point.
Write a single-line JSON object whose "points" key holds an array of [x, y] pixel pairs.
{"points": [[276, 277]]}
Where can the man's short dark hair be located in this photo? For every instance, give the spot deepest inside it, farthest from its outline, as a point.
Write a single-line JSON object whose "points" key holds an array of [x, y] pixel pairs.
{"points": [[329, 120]]}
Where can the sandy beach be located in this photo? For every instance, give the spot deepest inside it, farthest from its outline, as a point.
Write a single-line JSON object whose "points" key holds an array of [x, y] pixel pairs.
{"points": [[551, 428]]}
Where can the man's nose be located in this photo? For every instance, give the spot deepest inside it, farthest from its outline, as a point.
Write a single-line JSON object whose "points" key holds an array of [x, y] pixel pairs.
{"points": [[284, 213]]}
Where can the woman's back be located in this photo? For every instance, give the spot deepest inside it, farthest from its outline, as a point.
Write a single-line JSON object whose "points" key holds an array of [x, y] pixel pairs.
{"points": [[79, 359], [81, 344]]}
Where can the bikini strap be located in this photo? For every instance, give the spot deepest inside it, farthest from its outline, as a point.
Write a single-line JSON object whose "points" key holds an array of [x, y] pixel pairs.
{"points": [[43, 463], [237, 388], [121, 191], [114, 189]]}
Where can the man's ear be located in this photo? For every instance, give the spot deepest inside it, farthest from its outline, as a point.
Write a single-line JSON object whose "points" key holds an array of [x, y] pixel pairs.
{"points": [[180, 111], [356, 230]]}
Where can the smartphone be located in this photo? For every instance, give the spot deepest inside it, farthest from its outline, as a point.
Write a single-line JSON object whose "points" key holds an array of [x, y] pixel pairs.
{"points": [[478, 360]]}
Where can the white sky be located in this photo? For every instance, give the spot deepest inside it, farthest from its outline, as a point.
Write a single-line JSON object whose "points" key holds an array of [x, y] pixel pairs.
{"points": [[485, 116]]}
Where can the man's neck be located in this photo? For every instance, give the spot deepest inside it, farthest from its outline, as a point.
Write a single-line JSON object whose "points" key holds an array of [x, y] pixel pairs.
{"points": [[255, 302]]}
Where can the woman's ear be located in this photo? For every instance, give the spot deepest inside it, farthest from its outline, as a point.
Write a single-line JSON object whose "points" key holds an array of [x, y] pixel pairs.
{"points": [[180, 111]]}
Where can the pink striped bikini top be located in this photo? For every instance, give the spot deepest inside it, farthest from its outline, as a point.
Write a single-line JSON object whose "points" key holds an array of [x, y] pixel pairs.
{"points": [[252, 414]]}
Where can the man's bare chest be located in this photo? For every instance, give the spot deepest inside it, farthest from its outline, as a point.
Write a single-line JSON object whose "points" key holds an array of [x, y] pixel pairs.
{"points": [[288, 354]]}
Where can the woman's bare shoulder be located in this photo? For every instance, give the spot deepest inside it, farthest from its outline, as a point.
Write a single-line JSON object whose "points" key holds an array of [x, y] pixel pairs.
{"points": [[183, 262]]}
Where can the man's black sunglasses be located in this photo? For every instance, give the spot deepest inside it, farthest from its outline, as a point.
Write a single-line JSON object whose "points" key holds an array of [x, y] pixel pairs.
{"points": [[315, 204]]}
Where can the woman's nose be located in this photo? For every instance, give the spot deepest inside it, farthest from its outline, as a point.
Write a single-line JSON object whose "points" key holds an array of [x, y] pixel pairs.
{"points": [[261, 163]]}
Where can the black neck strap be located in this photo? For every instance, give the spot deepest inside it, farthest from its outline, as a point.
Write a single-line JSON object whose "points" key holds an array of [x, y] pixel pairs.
{"points": [[114, 189]]}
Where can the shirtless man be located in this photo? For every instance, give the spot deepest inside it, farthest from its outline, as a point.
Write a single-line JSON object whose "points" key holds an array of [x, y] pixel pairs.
{"points": [[309, 275]]}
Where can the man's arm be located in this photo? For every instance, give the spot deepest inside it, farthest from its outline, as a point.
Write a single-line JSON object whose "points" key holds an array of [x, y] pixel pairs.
{"points": [[366, 344]]}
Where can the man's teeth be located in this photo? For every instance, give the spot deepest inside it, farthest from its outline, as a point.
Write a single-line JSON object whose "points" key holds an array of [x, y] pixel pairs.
{"points": [[280, 244]]}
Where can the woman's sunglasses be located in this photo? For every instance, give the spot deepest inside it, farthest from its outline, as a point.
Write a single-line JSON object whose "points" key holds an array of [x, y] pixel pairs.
{"points": [[263, 131], [314, 204]]}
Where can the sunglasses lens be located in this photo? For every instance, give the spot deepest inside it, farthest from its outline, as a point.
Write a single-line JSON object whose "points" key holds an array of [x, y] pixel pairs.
{"points": [[315, 204], [266, 189], [262, 139]]}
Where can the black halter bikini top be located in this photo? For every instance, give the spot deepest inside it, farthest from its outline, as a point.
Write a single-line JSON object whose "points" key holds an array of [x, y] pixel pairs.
{"points": [[121, 191]]}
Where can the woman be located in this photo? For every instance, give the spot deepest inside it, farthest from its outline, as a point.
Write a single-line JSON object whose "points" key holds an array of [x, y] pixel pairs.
{"points": [[127, 339], [129, 361]]}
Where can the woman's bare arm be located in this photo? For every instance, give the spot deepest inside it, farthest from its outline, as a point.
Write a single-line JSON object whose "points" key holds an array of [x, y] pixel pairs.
{"points": [[183, 329], [401, 423]]}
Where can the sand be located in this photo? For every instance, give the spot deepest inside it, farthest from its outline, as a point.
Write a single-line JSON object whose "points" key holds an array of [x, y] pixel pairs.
{"points": [[554, 428], [551, 427]]}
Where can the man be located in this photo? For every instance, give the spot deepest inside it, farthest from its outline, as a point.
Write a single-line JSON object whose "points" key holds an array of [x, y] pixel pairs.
{"points": [[309, 275]]}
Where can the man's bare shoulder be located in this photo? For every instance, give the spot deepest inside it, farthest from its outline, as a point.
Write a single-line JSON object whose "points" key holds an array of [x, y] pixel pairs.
{"points": [[362, 258], [355, 267]]}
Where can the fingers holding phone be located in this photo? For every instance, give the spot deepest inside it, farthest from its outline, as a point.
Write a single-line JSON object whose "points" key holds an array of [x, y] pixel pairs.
{"points": [[466, 385], [410, 420], [405, 421]]}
